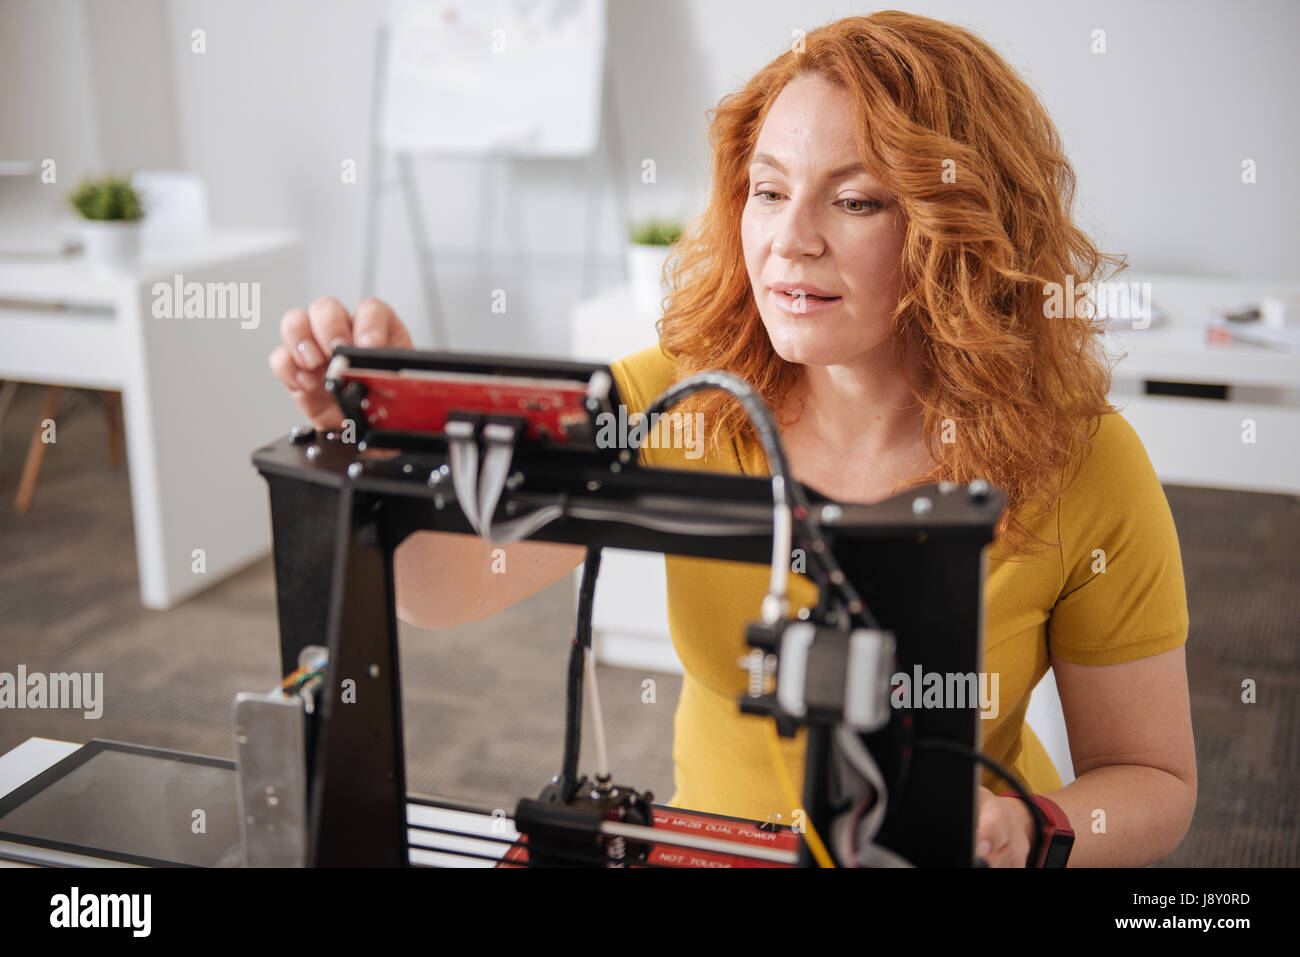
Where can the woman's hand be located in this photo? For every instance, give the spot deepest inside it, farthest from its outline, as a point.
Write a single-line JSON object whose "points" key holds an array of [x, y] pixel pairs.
{"points": [[1005, 830], [308, 337]]}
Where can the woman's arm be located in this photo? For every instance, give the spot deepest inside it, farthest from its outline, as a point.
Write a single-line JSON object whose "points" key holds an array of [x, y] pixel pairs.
{"points": [[443, 579], [1130, 730]]}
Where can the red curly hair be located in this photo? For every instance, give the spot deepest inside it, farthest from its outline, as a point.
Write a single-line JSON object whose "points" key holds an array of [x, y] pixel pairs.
{"points": [[1023, 391]]}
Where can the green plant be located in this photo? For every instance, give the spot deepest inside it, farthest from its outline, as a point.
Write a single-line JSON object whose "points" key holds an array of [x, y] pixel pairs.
{"points": [[107, 198], [655, 232]]}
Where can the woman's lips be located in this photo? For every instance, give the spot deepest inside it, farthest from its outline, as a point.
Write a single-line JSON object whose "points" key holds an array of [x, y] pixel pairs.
{"points": [[803, 305]]}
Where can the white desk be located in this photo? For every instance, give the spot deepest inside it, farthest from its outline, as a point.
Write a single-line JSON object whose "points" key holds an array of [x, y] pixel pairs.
{"points": [[36, 755], [198, 397], [1193, 441]]}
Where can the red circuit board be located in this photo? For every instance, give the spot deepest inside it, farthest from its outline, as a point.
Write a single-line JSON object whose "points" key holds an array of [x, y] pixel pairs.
{"points": [[702, 825], [419, 401]]}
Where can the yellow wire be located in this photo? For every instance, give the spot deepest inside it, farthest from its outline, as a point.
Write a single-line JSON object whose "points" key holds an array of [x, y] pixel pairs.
{"points": [[787, 786]]}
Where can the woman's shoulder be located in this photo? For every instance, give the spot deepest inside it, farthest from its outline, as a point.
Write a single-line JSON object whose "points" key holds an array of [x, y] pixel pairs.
{"points": [[1113, 444], [1114, 471]]}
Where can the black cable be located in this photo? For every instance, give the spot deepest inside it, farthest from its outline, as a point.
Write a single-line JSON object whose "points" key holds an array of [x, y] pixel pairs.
{"points": [[1040, 818], [577, 663], [802, 513]]}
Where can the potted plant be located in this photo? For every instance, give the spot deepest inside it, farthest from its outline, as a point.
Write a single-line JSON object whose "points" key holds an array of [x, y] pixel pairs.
{"points": [[111, 211], [651, 243]]}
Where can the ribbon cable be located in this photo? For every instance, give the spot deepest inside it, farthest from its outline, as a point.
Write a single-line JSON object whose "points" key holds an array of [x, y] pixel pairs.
{"points": [[479, 485]]}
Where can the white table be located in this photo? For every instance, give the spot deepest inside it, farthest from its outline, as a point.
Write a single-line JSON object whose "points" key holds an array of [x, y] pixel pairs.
{"points": [[1194, 441], [198, 397], [36, 755]]}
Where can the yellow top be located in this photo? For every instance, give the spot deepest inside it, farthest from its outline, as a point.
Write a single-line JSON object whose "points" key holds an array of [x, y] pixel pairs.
{"points": [[1115, 512]]}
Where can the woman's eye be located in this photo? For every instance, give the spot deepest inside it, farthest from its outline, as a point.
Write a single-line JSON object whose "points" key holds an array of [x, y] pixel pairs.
{"points": [[766, 192], [863, 205]]}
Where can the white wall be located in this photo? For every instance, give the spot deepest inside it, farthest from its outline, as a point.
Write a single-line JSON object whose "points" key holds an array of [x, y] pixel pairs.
{"points": [[1157, 128], [131, 68], [46, 109]]}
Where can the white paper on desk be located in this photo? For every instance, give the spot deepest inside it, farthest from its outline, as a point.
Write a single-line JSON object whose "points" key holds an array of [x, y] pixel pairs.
{"points": [[1255, 334]]}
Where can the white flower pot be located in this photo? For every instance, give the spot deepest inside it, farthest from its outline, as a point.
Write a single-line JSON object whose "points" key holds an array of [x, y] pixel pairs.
{"points": [[645, 267], [111, 245]]}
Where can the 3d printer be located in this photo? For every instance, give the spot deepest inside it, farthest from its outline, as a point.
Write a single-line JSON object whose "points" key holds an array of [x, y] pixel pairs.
{"points": [[510, 448]]}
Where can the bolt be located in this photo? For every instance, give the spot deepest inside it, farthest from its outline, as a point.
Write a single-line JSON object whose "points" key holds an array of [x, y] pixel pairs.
{"points": [[313, 452], [921, 505], [831, 513]]}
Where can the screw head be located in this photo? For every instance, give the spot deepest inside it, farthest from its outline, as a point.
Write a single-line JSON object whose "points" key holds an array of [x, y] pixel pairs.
{"points": [[355, 470], [831, 513], [921, 505]]}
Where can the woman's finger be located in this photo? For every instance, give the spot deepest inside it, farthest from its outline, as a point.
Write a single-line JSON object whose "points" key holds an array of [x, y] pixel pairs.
{"points": [[330, 324], [375, 325]]}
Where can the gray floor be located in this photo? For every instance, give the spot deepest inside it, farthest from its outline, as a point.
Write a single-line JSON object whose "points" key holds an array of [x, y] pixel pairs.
{"points": [[484, 702]]}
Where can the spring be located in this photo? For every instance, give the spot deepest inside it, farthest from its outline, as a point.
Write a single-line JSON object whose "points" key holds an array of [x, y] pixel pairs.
{"points": [[756, 676], [617, 850]]}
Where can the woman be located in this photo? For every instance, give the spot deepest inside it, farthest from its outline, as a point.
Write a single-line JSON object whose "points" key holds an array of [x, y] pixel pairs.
{"points": [[890, 207]]}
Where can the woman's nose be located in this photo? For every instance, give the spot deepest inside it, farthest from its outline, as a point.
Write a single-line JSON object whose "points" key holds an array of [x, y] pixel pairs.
{"points": [[797, 233]]}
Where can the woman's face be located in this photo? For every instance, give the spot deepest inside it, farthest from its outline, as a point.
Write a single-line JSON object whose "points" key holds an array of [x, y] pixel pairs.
{"points": [[817, 221]]}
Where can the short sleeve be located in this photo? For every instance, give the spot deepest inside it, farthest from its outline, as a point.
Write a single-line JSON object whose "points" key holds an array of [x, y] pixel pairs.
{"points": [[1123, 596]]}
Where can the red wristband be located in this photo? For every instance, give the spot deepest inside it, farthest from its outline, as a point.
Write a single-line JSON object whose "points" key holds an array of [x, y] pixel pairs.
{"points": [[1057, 835]]}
